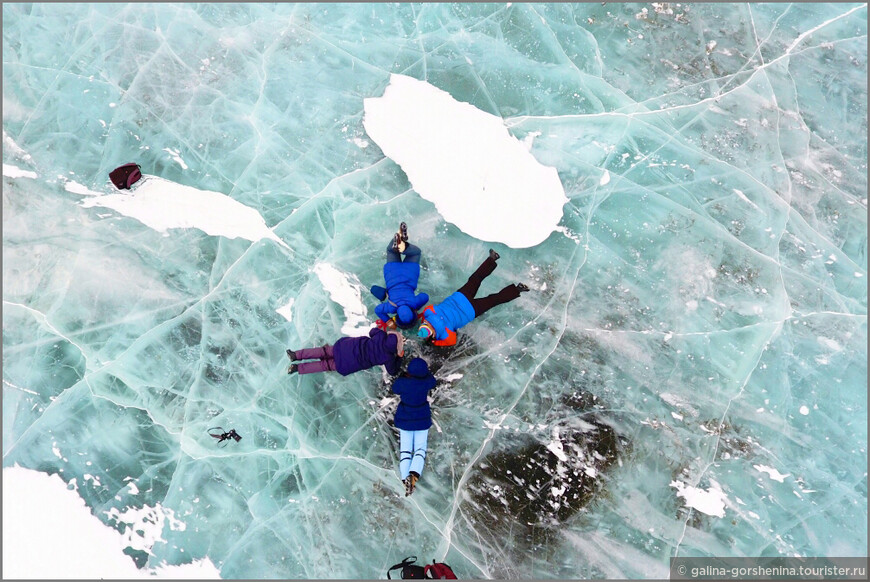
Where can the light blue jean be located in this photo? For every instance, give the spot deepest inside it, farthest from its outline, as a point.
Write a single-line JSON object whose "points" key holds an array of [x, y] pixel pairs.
{"points": [[412, 451]]}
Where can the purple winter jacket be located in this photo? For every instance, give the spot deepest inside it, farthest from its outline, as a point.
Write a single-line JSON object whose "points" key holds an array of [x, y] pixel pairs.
{"points": [[353, 354]]}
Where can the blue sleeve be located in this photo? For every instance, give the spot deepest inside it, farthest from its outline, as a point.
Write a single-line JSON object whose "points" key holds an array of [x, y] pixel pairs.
{"points": [[374, 331], [421, 300], [398, 386], [437, 322], [382, 311], [378, 292]]}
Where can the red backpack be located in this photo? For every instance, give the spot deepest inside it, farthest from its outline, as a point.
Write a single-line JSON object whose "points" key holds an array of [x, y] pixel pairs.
{"points": [[433, 571], [439, 571], [125, 176]]}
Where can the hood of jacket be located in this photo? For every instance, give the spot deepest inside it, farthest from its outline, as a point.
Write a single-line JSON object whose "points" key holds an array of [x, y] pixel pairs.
{"points": [[418, 368]]}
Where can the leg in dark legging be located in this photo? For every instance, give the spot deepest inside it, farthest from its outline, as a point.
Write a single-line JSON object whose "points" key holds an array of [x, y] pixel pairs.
{"points": [[484, 304], [324, 365], [393, 256], [412, 253], [323, 352], [473, 284]]}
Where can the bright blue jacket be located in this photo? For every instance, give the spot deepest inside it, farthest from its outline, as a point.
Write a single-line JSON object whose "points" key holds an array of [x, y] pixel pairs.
{"points": [[413, 412], [449, 315], [401, 280], [353, 354]]}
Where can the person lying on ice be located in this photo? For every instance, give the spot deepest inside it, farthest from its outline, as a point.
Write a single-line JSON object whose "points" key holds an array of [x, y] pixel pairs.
{"points": [[399, 300], [442, 321], [352, 354], [413, 419]]}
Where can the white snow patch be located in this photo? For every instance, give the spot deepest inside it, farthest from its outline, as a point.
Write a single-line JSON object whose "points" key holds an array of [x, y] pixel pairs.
{"points": [[712, 501], [76, 188], [464, 161], [453, 377], [555, 446], [347, 293], [287, 310], [14, 148], [773, 473], [564, 230], [605, 178], [89, 477], [804, 410], [11, 171], [50, 534], [144, 526], [161, 204], [176, 155]]}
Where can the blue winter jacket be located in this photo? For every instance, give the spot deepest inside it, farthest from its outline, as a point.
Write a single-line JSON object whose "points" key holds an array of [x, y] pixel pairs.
{"points": [[401, 280], [450, 314], [353, 354], [413, 412]]}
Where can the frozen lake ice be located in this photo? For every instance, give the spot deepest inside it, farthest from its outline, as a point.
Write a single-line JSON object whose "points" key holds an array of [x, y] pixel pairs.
{"points": [[683, 187]]}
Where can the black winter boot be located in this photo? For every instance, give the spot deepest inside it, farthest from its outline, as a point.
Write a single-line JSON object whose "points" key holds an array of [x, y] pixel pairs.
{"points": [[494, 255]]}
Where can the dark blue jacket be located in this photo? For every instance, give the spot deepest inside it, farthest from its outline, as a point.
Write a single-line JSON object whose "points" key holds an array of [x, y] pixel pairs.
{"points": [[450, 314], [353, 354], [401, 280], [413, 412]]}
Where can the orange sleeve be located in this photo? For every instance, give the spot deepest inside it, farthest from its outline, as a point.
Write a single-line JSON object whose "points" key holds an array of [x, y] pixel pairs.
{"points": [[450, 340]]}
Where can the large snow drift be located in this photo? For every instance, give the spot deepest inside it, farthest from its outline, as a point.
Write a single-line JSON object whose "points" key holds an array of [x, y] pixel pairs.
{"points": [[464, 161]]}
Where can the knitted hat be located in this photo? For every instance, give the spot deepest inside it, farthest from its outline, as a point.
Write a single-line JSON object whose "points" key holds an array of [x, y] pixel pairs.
{"points": [[425, 330]]}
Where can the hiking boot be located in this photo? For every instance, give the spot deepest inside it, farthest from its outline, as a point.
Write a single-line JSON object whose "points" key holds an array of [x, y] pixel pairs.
{"points": [[398, 244], [292, 355], [522, 287], [494, 255], [403, 232], [292, 369], [411, 483]]}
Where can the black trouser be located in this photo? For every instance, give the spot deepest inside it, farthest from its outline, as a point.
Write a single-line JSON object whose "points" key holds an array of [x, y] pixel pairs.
{"points": [[484, 304]]}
